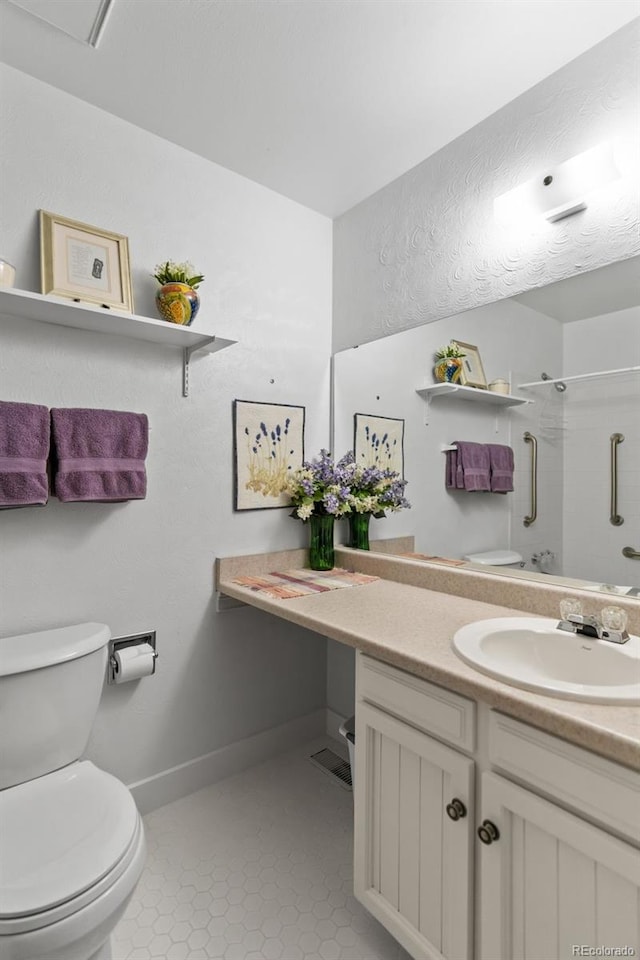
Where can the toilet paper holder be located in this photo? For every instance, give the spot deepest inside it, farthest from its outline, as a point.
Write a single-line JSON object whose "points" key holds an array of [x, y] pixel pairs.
{"points": [[136, 639]]}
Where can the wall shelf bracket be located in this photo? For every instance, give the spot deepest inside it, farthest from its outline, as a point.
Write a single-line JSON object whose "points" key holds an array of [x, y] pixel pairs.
{"points": [[187, 353]]}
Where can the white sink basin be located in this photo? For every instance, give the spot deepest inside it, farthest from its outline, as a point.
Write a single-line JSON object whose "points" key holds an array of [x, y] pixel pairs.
{"points": [[530, 652]]}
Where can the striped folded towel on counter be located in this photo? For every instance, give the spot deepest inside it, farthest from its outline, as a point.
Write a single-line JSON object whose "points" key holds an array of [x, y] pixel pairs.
{"points": [[301, 583]]}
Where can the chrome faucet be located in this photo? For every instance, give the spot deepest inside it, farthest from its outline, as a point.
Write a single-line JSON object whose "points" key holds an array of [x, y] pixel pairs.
{"points": [[583, 625], [586, 626]]}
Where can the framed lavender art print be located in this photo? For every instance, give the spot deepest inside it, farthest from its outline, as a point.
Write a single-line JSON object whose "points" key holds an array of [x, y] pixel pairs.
{"points": [[379, 442], [268, 441]]}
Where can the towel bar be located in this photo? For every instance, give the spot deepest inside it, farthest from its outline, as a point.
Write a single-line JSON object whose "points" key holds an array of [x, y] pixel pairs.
{"points": [[531, 518], [614, 516]]}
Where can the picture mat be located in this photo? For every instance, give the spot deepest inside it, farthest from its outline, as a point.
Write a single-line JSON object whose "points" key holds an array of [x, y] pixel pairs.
{"points": [[269, 445]]}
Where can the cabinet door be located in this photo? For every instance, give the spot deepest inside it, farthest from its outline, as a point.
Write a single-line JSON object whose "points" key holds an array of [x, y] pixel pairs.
{"points": [[552, 883], [413, 868]]}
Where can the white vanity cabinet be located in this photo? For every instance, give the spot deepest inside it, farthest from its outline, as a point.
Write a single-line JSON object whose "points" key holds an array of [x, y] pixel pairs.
{"points": [[414, 811], [556, 878], [559, 866]]}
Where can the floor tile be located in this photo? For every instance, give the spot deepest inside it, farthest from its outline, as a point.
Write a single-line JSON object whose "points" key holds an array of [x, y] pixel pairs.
{"points": [[255, 867]]}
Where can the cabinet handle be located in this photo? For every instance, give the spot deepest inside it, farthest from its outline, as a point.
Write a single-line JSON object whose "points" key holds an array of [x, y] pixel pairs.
{"points": [[456, 809], [488, 832]]}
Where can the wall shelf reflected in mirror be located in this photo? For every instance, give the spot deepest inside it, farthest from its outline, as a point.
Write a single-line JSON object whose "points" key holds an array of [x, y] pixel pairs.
{"points": [[455, 391]]}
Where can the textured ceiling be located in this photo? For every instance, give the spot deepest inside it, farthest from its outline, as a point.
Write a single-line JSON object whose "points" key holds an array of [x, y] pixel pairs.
{"points": [[324, 101]]}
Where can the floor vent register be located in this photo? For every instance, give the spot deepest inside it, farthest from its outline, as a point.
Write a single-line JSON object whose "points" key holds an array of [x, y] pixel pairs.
{"points": [[333, 765]]}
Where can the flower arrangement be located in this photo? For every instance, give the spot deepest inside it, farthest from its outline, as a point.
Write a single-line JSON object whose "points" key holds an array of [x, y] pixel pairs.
{"points": [[371, 489], [172, 272], [321, 487], [451, 351], [318, 488]]}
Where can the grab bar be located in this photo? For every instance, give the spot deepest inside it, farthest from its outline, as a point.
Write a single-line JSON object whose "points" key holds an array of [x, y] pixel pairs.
{"points": [[630, 553], [529, 438], [614, 516]]}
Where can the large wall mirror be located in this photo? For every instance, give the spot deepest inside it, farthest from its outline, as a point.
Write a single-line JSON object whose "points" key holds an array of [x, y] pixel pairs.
{"points": [[579, 331]]}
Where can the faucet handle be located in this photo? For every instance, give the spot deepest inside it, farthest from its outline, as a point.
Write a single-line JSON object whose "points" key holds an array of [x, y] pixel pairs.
{"points": [[570, 606], [614, 618], [614, 622]]}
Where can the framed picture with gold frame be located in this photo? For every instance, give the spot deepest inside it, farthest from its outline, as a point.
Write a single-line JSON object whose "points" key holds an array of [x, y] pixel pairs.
{"points": [[471, 371], [84, 263]]}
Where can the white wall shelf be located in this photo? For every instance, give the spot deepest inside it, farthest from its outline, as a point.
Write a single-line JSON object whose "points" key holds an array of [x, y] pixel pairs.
{"points": [[455, 391], [84, 316]]}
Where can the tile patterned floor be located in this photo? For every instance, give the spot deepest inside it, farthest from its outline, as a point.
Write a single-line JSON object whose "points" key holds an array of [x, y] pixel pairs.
{"points": [[256, 867]]}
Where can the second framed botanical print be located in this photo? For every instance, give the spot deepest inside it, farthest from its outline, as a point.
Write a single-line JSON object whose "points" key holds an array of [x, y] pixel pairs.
{"points": [[378, 442], [268, 441]]}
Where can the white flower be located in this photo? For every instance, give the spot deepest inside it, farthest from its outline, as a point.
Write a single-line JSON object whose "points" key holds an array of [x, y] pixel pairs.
{"points": [[305, 510]]}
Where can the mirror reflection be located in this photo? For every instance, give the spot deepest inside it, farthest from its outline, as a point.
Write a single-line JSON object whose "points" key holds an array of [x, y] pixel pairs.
{"points": [[569, 356]]}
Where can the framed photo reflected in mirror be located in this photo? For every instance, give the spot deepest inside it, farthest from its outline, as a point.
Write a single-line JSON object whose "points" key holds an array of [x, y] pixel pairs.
{"points": [[471, 371]]}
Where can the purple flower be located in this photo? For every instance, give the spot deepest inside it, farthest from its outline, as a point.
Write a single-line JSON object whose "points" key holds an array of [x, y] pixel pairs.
{"points": [[331, 503]]}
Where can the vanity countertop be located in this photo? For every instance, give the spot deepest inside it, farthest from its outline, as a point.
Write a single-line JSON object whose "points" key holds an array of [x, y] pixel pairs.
{"points": [[410, 627]]}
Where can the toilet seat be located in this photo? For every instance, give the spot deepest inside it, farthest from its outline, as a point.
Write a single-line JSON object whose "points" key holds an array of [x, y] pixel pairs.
{"points": [[67, 837]]}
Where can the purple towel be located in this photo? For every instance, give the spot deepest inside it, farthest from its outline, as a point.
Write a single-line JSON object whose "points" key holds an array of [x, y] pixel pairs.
{"points": [[501, 459], [24, 448], [468, 467], [100, 454]]}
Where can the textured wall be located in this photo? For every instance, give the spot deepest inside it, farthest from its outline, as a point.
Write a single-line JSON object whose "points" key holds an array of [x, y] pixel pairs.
{"points": [[149, 564], [426, 246]]}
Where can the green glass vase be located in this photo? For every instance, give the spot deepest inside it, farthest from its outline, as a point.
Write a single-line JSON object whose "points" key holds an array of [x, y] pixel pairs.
{"points": [[321, 552], [359, 530]]}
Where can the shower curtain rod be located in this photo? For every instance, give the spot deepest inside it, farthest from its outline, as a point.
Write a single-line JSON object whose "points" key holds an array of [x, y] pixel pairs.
{"points": [[580, 376]]}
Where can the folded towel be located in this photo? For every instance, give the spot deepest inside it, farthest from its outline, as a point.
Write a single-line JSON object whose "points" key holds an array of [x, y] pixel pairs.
{"points": [[24, 448], [501, 460], [100, 454], [468, 467]]}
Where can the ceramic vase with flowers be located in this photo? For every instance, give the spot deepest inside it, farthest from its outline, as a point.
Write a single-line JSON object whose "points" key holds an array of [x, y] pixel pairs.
{"points": [[372, 492], [448, 363], [177, 298]]}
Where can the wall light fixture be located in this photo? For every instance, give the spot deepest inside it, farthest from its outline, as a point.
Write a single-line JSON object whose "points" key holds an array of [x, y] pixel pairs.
{"points": [[561, 190]]}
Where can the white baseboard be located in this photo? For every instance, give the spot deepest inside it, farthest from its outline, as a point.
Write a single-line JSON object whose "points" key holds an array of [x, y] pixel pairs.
{"points": [[202, 771], [334, 722]]}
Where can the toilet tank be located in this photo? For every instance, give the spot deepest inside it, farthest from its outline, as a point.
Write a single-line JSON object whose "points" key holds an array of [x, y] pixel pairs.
{"points": [[50, 688]]}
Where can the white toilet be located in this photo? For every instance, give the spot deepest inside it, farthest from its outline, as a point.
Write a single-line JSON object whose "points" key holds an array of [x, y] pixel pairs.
{"points": [[497, 558], [72, 843]]}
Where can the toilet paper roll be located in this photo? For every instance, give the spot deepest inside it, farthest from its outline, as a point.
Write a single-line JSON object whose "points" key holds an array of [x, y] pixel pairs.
{"points": [[133, 662]]}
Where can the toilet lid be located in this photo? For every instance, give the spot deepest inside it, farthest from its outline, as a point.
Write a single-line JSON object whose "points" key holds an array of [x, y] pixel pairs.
{"points": [[495, 557], [60, 835]]}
